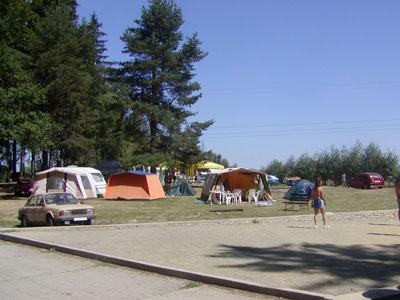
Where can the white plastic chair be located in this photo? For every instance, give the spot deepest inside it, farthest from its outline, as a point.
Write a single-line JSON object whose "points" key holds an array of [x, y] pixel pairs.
{"points": [[237, 196], [252, 195], [227, 197]]}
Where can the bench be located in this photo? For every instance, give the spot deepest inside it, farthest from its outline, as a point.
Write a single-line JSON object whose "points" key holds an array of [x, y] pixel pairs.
{"points": [[293, 203]]}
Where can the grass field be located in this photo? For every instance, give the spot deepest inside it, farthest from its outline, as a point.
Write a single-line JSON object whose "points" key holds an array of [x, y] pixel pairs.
{"points": [[186, 208]]}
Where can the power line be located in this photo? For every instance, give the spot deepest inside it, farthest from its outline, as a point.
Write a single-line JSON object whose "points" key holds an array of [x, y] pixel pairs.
{"points": [[307, 123], [304, 132], [269, 89]]}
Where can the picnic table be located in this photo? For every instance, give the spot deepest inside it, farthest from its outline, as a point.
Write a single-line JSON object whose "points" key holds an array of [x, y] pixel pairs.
{"points": [[293, 203]]}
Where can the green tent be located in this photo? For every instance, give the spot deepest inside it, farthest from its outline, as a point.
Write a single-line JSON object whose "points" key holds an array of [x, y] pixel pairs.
{"points": [[181, 188]]}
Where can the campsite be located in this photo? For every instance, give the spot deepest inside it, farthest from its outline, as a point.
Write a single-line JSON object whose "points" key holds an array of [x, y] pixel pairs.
{"points": [[243, 145], [187, 208], [264, 245]]}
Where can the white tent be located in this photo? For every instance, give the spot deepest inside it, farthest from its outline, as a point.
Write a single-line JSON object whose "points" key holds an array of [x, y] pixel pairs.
{"points": [[82, 182]]}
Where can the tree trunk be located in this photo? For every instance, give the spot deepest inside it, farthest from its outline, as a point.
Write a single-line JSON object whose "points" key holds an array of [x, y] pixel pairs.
{"points": [[45, 160], [14, 161], [153, 136], [9, 159], [21, 161], [33, 162]]}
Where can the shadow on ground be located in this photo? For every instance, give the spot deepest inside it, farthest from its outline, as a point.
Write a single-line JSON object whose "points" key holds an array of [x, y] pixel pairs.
{"points": [[11, 197], [338, 264], [382, 294]]}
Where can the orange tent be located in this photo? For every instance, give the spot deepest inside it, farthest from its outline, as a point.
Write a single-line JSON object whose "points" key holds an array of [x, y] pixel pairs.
{"points": [[134, 185]]}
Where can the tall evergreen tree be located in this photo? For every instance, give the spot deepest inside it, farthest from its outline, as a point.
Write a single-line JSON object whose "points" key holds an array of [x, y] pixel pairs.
{"points": [[21, 97], [65, 55], [159, 76]]}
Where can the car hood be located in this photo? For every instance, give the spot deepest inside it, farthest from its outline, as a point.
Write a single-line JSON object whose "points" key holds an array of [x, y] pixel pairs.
{"points": [[69, 206]]}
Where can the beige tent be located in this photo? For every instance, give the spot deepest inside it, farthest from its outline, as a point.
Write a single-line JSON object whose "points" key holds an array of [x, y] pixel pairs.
{"points": [[235, 178], [81, 182]]}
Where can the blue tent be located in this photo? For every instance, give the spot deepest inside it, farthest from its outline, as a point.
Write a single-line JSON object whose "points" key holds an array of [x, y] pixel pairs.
{"points": [[300, 191]]}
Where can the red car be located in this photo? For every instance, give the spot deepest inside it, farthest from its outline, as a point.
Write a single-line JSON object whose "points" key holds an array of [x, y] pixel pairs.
{"points": [[367, 180]]}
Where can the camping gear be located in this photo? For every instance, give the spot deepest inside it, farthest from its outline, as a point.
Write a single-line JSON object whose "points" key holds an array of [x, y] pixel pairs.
{"points": [[82, 182], [134, 185], [181, 187], [300, 191], [235, 178]]}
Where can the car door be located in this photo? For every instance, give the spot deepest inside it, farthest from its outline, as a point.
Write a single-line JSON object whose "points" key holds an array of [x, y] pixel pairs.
{"points": [[40, 211], [29, 209], [359, 181]]}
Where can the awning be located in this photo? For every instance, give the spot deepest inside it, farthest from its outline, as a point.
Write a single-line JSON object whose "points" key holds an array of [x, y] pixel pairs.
{"points": [[209, 165]]}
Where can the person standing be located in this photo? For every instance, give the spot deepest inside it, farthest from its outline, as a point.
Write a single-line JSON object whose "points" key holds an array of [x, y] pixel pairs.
{"points": [[318, 198], [344, 180], [397, 190]]}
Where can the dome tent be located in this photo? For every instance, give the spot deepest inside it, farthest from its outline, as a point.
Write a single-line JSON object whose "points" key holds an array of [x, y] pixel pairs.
{"points": [[181, 187], [300, 191]]}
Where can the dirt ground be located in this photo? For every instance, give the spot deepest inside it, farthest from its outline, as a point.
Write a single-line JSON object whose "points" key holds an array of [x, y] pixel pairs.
{"points": [[358, 252]]}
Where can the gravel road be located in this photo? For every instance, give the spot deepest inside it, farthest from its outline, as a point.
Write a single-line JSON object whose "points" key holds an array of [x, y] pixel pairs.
{"points": [[359, 251]]}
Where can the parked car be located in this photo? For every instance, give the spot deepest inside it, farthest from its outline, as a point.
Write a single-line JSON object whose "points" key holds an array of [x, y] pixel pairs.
{"points": [[24, 186], [367, 180], [272, 179], [55, 209]]}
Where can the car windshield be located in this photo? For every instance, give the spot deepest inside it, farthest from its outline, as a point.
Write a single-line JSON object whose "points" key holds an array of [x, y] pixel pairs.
{"points": [[375, 176], [60, 199]]}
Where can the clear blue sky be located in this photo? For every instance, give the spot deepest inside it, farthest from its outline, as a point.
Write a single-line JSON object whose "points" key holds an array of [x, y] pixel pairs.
{"points": [[285, 77]]}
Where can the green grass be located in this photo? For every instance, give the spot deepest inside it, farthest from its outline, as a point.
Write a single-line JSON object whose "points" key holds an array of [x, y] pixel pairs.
{"points": [[186, 209]]}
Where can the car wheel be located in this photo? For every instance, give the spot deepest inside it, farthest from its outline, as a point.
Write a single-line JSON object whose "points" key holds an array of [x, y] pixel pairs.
{"points": [[49, 221], [24, 221], [365, 186]]}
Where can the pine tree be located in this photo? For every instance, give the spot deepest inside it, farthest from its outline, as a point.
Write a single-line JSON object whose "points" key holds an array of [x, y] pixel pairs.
{"points": [[21, 97], [159, 76], [65, 55]]}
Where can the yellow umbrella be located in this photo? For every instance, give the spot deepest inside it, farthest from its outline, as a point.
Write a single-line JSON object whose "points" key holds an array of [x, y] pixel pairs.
{"points": [[209, 165]]}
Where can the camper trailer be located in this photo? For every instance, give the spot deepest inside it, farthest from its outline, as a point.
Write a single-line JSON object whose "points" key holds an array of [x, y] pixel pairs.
{"points": [[82, 182]]}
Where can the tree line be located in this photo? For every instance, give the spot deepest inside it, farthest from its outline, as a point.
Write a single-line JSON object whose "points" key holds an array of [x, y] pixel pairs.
{"points": [[63, 103], [331, 164]]}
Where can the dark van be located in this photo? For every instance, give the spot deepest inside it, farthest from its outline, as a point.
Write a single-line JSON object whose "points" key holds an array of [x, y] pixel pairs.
{"points": [[24, 186]]}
